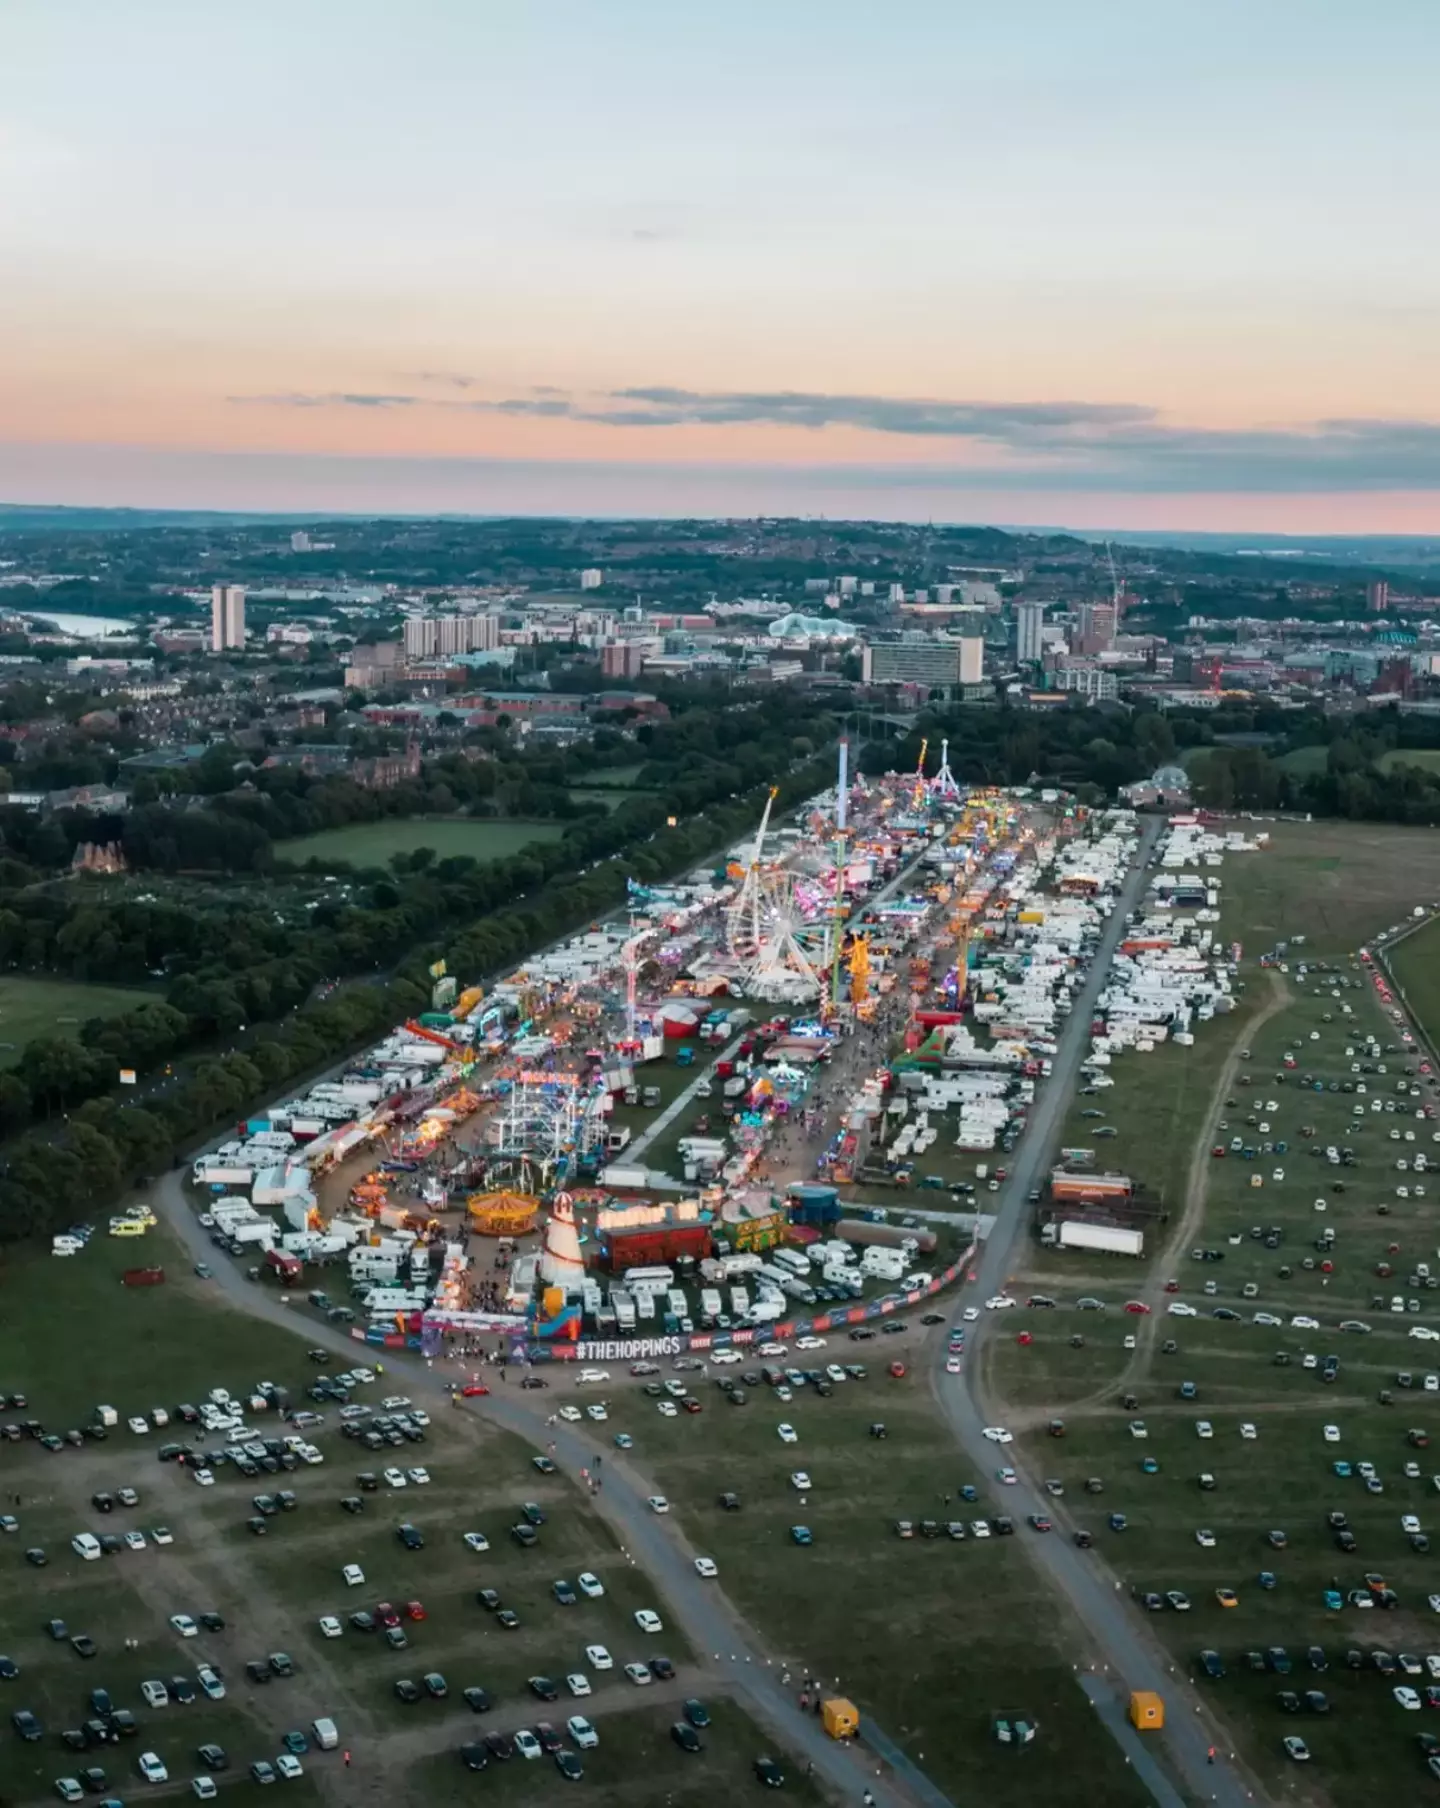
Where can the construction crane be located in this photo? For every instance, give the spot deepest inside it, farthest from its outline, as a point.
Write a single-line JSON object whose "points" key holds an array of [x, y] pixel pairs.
{"points": [[1116, 593]]}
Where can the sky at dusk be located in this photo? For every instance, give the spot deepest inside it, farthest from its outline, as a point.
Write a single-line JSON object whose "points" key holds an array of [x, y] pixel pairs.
{"points": [[1118, 265]]}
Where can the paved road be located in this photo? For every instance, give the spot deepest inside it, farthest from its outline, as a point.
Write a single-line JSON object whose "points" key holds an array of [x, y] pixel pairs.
{"points": [[703, 1611], [1132, 1660]]}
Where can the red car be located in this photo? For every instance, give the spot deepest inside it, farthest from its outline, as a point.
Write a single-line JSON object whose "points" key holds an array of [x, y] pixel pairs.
{"points": [[897, 1369], [1172, 1286], [472, 1388], [387, 1615], [1024, 1337], [1137, 1306], [414, 1610], [690, 1405]]}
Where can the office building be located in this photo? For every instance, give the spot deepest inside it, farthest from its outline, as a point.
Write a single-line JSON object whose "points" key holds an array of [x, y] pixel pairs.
{"points": [[936, 663], [1092, 681], [1094, 628], [846, 585], [1030, 633], [972, 661], [623, 658], [897, 593], [1377, 596], [300, 541], [227, 617], [591, 578], [439, 636]]}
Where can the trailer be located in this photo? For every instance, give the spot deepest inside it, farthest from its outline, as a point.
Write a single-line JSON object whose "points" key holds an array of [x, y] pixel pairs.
{"points": [[1108, 1239], [286, 1267]]}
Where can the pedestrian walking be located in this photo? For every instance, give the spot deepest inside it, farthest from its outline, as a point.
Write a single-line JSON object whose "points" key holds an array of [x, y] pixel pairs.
{"points": [[347, 1760], [804, 1703], [1210, 1755]]}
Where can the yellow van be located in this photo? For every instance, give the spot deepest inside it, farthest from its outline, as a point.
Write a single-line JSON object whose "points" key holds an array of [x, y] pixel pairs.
{"points": [[128, 1227]]}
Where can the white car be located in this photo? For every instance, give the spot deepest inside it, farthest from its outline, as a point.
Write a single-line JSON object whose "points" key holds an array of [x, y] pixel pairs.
{"points": [[705, 1566], [657, 1503], [787, 1434], [999, 1302], [140, 1426], [589, 1585], [204, 1478], [571, 1414], [209, 1681], [1178, 1309], [639, 1674], [330, 1627], [578, 1683], [420, 1477], [1267, 1318], [581, 1731], [773, 1349], [477, 1541], [1204, 1429], [722, 1359], [289, 1766], [596, 1412], [1424, 1333], [1435, 1603], [800, 1481], [970, 1314], [204, 1788], [395, 1403], [151, 1768], [1248, 1431], [352, 1575], [161, 1535], [526, 1743], [1330, 1433], [395, 1478], [809, 1343], [135, 1541], [599, 1658], [648, 1620], [156, 1694], [667, 1409], [952, 1365], [1302, 1323], [997, 1434], [1409, 1523], [980, 1528], [834, 1372], [1407, 1698], [593, 1377], [184, 1625], [1206, 1540]]}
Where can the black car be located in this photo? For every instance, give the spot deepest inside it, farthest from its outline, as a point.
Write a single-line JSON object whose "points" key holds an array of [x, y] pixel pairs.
{"points": [[9, 1669], [662, 1669], [83, 1645], [473, 1755], [410, 1537], [258, 1670], [123, 1724], [407, 1690], [58, 1630], [212, 1622], [500, 1745], [768, 1772], [697, 1713], [550, 1740], [730, 1503], [436, 1686], [182, 1690], [524, 1535], [507, 1618], [489, 1599], [543, 1689], [569, 1766], [352, 1503], [26, 1725], [103, 1503], [563, 1593], [544, 1464], [368, 1481], [93, 1779], [36, 1557], [364, 1620], [213, 1757], [1210, 1663], [476, 1698], [281, 1664], [532, 1514], [686, 1737]]}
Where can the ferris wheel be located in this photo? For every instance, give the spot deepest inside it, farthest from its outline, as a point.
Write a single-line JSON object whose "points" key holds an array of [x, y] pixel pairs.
{"points": [[779, 947]]}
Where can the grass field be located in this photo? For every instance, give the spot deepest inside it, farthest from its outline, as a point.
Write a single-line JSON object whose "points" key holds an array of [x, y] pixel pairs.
{"points": [[372, 843], [931, 1636], [1415, 962], [1304, 762], [146, 1347], [1426, 758], [55, 1007], [1309, 1083]]}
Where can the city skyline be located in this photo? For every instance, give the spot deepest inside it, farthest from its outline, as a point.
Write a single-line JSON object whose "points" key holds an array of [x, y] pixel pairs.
{"points": [[1045, 268]]}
